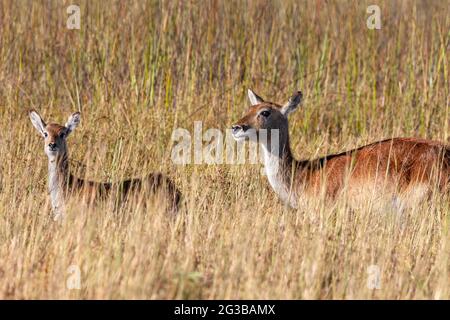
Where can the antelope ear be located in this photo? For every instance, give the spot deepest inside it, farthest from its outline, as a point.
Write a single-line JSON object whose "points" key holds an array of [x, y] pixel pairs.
{"points": [[73, 122], [292, 104], [37, 122], [254, 98]]}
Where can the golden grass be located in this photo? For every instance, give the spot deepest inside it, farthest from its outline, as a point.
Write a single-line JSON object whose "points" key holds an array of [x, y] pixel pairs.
{"points": [[138, 70]]}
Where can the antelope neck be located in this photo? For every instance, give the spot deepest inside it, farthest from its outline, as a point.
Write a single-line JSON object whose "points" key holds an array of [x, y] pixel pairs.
{"points": [[58, 177], [278, 164]]}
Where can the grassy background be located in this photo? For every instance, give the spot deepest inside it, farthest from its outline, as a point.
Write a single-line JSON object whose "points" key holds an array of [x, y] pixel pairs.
{"points": [[139, 69]]}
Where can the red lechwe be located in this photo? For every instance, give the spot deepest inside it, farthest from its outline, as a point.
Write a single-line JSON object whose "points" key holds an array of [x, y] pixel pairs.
{"points": [[61, 183], [404, 169]]}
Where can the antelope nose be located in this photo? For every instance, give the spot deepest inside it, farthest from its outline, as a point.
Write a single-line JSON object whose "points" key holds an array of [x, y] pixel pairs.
{"points": [[52, 146], [236, 128]]}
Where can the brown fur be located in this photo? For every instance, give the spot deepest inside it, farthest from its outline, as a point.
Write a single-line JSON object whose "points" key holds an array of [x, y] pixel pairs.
{"points": [[398, 163], [152, 183]]}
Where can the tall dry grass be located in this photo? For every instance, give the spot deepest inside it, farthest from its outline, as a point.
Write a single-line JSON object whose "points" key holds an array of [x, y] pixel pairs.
{"points": [[138, 70]]}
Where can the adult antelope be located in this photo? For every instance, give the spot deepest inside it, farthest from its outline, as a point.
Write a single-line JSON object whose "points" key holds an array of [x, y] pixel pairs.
{"points": [[61, 183], [402, 168]]}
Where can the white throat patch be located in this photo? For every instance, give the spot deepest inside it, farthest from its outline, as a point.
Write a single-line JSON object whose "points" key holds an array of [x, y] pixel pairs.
{"points": [[272, 165]]}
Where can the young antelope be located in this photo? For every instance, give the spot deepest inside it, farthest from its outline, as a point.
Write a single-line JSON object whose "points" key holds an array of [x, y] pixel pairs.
{"points": [[61, 183]]}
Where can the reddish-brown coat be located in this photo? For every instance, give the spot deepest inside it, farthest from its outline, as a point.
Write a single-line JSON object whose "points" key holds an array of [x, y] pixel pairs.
{"points": [[397, 163]]}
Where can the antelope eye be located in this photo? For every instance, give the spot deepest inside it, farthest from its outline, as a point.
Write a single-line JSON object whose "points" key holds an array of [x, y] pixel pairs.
{"points": [[265, 113], [45, 134]]}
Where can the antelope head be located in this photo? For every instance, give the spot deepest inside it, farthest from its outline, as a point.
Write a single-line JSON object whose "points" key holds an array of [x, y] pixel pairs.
{"points": [[54, 135], [264, 115]]}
